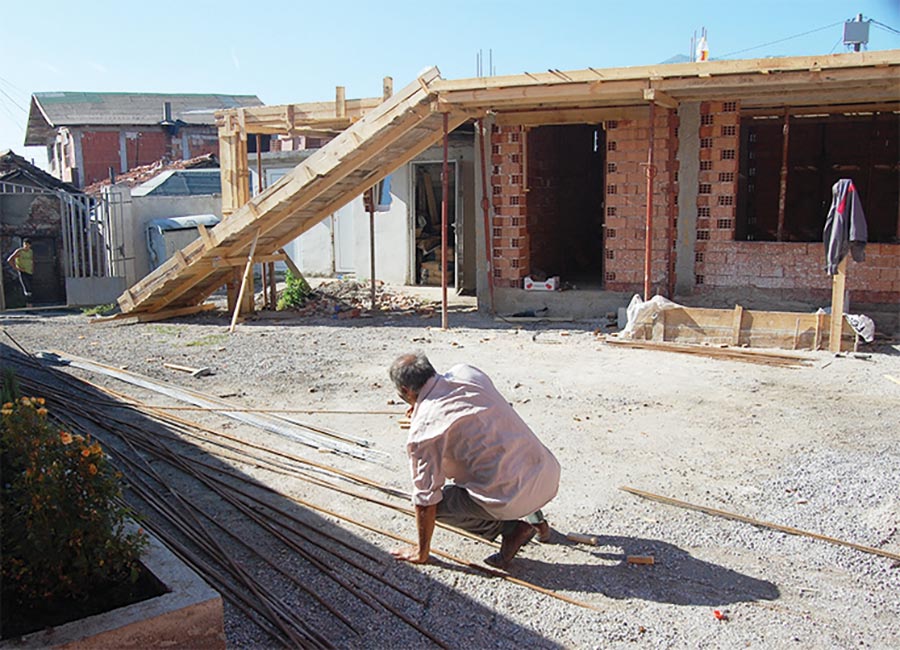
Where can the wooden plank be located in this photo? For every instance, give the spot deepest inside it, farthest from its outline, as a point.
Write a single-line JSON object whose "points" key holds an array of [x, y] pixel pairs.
{"points": [[290, 264], [756, 522], [838, 287], [729, 354], [736, 327], [689, 70]]}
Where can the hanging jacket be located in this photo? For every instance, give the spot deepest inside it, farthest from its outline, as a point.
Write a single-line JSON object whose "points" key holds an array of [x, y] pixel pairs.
{"points": [[845, 227]]}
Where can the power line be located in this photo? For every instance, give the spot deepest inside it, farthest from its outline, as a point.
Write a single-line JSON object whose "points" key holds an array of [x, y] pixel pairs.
{"points": [[782, 40], [15, 103], [883, 26]]}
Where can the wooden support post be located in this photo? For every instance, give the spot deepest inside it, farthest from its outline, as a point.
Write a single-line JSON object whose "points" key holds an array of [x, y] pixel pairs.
{"points": [[273, 290], [820, 327], [445, 197], [838, 287], [247, 270], [340, 102], [782, 188], [736, 325]]}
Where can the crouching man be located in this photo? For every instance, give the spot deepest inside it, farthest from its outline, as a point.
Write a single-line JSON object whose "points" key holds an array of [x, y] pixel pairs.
{"points": [[464, 430]]}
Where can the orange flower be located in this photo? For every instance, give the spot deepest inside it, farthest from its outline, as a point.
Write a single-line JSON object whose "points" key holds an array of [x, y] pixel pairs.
{"points": [[42, 411], [65, 437], [85, 452], [41, 401], [92, 469], [8, 405]]}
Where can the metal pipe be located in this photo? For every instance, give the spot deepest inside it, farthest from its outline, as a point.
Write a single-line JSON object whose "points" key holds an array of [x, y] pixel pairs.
{"points": [[648, 236], [445, 197]]}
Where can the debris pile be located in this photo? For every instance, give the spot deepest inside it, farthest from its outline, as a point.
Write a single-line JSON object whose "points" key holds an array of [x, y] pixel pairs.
{"points": [[342, 299]]}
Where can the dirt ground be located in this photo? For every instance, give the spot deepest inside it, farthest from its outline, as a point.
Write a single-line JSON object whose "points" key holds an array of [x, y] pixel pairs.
{"points": [[815, 448]]}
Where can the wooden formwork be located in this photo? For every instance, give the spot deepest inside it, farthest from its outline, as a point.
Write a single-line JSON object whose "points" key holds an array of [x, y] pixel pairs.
{"points": [[370, 149], [742, 327]]}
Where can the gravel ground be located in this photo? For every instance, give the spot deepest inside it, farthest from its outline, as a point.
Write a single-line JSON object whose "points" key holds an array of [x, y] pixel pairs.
{"points": [[815, 448]]}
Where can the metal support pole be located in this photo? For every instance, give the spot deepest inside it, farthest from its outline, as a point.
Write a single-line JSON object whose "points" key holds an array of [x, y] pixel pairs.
{"points": [[445, 197], [648, 236], [372, 244]]}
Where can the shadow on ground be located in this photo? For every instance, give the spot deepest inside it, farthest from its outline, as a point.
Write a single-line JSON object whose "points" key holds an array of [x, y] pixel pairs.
{"points": [[676, 577]]}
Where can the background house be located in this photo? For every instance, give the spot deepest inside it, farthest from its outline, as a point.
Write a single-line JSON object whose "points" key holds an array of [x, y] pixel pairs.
{"points": [[88, 135], [31, 206]]}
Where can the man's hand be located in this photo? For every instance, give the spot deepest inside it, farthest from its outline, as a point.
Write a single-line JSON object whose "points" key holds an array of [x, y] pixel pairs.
{"points": [[410, 554]]}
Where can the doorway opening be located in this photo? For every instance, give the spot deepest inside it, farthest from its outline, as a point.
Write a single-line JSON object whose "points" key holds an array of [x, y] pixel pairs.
{"points": [[565, 200], [427, 193]]}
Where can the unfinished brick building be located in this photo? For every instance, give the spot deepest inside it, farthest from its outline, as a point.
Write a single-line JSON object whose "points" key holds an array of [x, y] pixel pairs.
{"points": [[742, 173]]}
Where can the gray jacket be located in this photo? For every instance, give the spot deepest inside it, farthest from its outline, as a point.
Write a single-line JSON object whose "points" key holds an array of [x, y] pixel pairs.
{"points": [[845, 227]]}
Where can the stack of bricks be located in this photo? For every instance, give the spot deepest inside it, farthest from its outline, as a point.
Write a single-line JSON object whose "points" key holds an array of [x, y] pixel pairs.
{"points": [[717, 189], [509, 233], [627, 143]]}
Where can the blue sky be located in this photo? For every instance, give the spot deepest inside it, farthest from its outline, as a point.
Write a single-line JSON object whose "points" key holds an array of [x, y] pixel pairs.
{"points": [[298, 51]]}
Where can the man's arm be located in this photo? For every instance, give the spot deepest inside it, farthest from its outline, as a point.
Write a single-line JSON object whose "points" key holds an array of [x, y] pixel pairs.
{"points": [[425, 518]]}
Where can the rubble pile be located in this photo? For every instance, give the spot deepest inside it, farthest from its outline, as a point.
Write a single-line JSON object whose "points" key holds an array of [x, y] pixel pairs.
{"points": [[352, 299]]}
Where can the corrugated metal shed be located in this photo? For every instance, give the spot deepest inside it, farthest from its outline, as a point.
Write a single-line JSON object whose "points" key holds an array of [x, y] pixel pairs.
{"points": [[53, 109], [182, 182]]}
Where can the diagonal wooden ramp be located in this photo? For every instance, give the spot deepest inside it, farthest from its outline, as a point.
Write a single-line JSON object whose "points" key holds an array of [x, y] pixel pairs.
{"points": [[386, 138]]}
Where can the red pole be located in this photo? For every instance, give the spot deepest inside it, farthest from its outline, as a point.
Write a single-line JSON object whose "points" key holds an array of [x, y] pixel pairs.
{"points": [[445, 197], [648, 242]]}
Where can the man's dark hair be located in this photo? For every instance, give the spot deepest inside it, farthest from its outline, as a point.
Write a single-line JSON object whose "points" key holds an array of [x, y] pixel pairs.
{"points": [[27, 240], [411, 371]]}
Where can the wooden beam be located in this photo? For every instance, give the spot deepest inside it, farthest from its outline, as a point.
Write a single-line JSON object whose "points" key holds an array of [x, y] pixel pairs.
{"points": [[240, 296], [207, 239], [568, 116], [241, 261], [660, 98]]}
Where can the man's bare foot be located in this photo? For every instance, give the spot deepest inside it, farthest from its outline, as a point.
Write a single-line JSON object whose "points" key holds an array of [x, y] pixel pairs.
{"points": [[410, 554], [511, 544], [543, 532]]}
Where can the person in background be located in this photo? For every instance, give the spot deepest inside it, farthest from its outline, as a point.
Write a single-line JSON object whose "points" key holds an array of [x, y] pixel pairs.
{"points": [[462, 429], [22, 260]]}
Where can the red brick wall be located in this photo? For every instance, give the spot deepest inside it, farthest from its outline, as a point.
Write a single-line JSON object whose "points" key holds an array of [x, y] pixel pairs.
{"points": [[509, 234], [626, 211], [99, 152], [717, 180], [145, 147], [798, 270]]}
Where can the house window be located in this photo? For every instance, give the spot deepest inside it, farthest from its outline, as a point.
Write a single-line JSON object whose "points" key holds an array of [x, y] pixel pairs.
{"points": [[821, 150]]}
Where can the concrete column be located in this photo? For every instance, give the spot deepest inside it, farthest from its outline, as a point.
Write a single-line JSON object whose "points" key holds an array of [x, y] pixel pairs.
{"points": [[688, 178]]}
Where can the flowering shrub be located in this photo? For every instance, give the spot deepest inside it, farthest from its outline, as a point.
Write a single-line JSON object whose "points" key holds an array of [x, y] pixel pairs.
{"points": [[63, 530]]}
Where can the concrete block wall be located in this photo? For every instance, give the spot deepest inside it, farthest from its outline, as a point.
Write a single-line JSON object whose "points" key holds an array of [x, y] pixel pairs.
{"points": [[509, 232], [798, 270], [626, 212]]}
